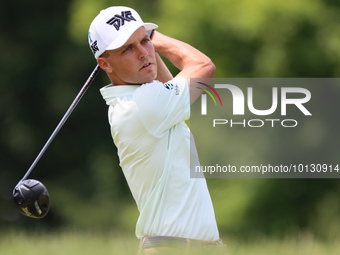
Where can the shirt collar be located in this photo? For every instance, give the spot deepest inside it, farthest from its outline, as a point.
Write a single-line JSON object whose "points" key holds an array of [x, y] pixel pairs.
{"points": [[110, 91]]}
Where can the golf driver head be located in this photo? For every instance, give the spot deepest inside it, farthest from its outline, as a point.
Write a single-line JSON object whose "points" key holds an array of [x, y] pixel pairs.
{"points": [[31, 198]]}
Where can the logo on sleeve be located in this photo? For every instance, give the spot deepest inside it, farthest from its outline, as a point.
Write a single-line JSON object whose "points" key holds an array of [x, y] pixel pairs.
{"points": [[177, 90], [168, 86], [171, 86]]}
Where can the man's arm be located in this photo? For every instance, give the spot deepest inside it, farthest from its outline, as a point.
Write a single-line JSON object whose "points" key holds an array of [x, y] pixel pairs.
{"points": [[191, 62], [163, 73]]}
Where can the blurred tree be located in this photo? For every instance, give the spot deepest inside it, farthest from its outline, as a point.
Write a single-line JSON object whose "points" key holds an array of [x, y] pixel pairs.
{"points": [[42, 72]]}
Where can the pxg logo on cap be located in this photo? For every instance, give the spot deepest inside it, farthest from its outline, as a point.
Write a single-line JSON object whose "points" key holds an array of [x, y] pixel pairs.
{"points": [[119, 20]]}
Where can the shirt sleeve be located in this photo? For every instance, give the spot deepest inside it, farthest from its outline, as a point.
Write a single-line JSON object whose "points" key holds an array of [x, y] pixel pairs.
{"points": [[163, 105]]}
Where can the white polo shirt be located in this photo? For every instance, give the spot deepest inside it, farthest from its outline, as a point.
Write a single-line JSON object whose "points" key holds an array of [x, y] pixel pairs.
{"points": [[153, 143]]}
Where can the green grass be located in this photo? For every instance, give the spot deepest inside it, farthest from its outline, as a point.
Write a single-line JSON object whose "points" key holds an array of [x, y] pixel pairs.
{"points": [[301, 246], [66, 243], [86, 243]]}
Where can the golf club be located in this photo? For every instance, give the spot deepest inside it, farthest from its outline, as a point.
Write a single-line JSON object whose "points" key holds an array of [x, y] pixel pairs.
{"points": [[31, 196]]}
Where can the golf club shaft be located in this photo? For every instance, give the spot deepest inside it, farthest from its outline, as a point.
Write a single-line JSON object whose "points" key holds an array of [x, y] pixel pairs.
{"points": [[62, 121]]}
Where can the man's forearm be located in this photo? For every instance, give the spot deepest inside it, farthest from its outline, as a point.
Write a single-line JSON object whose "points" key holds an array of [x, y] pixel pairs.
{"points": [[179, 53], [163, 73], [191, 62]]}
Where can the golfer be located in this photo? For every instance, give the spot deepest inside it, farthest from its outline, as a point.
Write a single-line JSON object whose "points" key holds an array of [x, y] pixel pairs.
{"points": [[147, 113]]}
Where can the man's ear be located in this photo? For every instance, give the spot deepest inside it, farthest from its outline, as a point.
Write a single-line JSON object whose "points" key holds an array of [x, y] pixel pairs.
{"points": [[104, 64]]}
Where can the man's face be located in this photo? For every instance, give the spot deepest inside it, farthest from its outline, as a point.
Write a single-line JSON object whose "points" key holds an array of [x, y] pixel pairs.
{"points": [[135, 61]]}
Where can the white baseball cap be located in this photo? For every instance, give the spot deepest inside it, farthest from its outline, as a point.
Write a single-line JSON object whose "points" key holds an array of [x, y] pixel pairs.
{"points": [[113, 27]]}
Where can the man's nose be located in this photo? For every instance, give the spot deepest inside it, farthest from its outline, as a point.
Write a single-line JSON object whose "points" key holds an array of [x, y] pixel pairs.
{"points": [[142, 52]]}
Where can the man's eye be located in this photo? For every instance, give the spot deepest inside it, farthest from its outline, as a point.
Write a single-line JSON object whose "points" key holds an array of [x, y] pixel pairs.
{"points": [[145, 40], [127, 49]]}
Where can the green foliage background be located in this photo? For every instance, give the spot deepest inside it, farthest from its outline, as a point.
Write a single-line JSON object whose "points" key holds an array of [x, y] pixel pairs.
{"points": [[46, 59]]}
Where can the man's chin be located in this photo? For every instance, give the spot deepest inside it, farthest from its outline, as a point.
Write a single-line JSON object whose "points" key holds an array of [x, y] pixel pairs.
{"points": [[148, 80], [142, 80], [140, 83]]}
